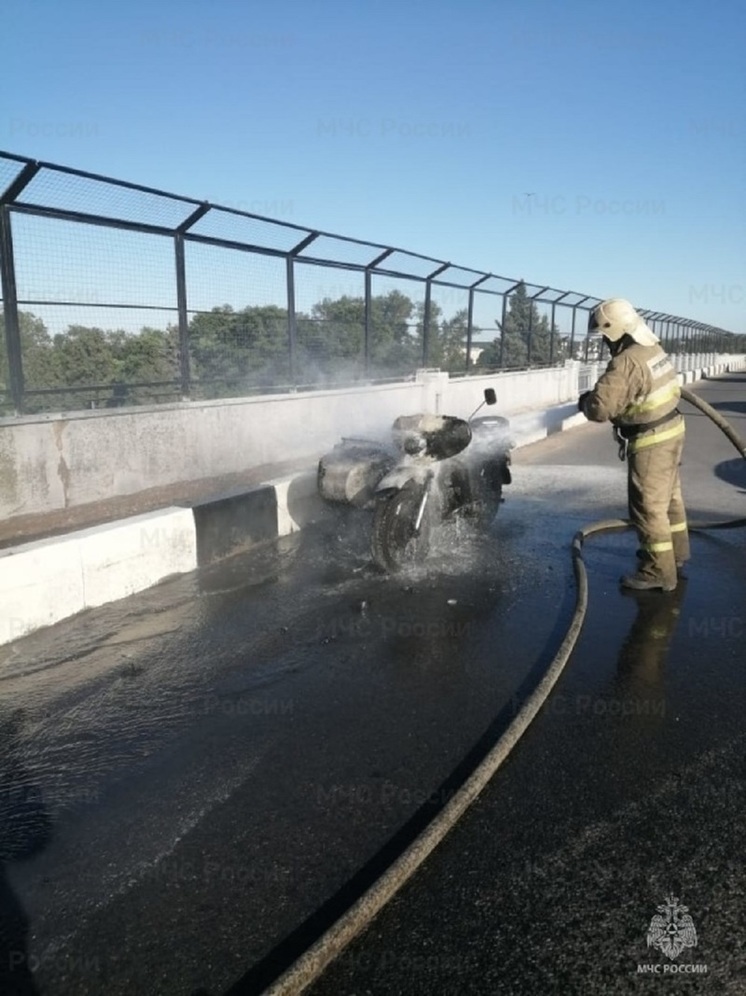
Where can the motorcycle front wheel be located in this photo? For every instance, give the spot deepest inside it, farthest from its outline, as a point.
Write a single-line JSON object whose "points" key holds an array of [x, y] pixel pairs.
{"points": [[395, 543], [487, 492]]}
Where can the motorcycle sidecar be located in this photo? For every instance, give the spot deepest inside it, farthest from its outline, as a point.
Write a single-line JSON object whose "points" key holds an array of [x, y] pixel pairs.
{"points": [[351, 471]]}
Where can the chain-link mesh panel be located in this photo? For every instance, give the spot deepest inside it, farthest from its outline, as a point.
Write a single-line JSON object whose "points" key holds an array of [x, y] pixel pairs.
{"points": [[98, 361], [343, 251], [486, 335], [238, 321], [61, 261], [497, 285], [62, 191], [9, 170], [397, 308], [96, 311], [232, 227], [330, 326], [542, 343], [325, 283], [449, 322], [570, 332], [409, 265], [458, 276]]}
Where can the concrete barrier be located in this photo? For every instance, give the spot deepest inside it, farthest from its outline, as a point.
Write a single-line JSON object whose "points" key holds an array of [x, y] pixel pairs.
{"points": [[49, 580], [53, 462]]}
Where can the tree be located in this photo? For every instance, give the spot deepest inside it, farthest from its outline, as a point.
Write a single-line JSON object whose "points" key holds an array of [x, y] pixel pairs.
{"points": [[393, 347], [233, 350], [452, 341], [36, 352], [149, 357], [526, 336], [333, 336], [434, 353], [84, 356]]}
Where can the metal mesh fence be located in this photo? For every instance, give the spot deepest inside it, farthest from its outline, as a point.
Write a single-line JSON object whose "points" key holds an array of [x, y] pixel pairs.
{"points": [[330, 328], [237, 321], [116, 294], [395, 338]]}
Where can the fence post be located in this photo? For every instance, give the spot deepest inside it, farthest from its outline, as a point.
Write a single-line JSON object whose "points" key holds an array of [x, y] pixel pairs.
{"points": [[572, 331], [426, 315], [368, 336], [10, 309], [292, 320], [181, 297], [368, 320], [553, 333], [502, 328], [469, 330], [530, 333], [183, 319]]}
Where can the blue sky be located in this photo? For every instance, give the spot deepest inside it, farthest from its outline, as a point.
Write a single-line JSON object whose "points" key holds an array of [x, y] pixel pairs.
{"points": [[423, 125]]}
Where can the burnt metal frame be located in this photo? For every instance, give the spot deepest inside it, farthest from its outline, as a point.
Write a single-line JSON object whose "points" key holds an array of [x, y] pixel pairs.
{"points": [[28, 169]]}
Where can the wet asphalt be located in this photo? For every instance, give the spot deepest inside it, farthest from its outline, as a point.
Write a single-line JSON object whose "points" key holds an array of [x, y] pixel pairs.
{"points": [[196, 780]]}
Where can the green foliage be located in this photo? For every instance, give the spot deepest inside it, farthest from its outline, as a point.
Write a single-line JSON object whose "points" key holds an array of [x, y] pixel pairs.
{"points": [[151, 357], [331, 339], [99, 364], [452, 342], [37, 349], [39, 360], [333, 336], [83, 356], [234, 350], [447, 339], [527, 336]]}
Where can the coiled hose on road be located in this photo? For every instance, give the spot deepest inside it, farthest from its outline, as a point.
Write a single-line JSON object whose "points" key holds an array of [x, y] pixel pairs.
{"points": [[312, 963]]}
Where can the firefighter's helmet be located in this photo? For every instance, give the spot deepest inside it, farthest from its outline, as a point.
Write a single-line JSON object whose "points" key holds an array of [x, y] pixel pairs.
{"points": [[615, 318]]}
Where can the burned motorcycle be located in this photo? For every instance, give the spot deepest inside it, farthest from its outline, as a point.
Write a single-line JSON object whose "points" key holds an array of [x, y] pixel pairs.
{"points": [[439, 468]]}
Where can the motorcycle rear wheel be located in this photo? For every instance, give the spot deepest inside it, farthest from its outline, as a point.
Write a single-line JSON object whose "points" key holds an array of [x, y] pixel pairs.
{"points": [[394, 542]]}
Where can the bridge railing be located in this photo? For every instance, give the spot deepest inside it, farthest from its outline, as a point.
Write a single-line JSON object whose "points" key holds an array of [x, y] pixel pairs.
{"points": [[117, 294]]}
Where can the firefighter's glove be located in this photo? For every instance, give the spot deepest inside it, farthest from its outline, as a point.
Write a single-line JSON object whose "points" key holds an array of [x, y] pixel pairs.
{"points": [[582, 400]]}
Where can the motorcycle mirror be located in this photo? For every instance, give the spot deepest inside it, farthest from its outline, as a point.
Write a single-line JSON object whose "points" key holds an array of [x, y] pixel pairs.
{"points": [[490, 398]]}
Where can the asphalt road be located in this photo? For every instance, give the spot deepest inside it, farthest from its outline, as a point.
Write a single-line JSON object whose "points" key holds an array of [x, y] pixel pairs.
{"points": [[196, 780]]}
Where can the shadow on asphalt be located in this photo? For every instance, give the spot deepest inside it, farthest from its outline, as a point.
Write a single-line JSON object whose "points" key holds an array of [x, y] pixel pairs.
{"points": [[737, 407], [732, 472], [737, 379], [25, 830]]}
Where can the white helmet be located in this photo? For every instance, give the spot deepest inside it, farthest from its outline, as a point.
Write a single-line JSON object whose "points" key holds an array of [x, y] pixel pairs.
{"points": [[615, 318]]}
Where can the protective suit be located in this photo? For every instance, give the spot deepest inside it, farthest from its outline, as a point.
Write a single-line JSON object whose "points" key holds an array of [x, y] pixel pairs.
{"points": [[639, 393]]}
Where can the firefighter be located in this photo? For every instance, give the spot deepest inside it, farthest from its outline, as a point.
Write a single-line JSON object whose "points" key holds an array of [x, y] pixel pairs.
{"points": [[638, 394]]}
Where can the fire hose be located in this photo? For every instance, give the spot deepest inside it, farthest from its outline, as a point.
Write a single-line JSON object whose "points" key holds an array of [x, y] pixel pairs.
{"points": [[309, 966]]}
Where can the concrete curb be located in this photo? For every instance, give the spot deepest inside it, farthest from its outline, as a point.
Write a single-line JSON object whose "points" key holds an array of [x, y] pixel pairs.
{"points": [[45, 581], [49, 580]]}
